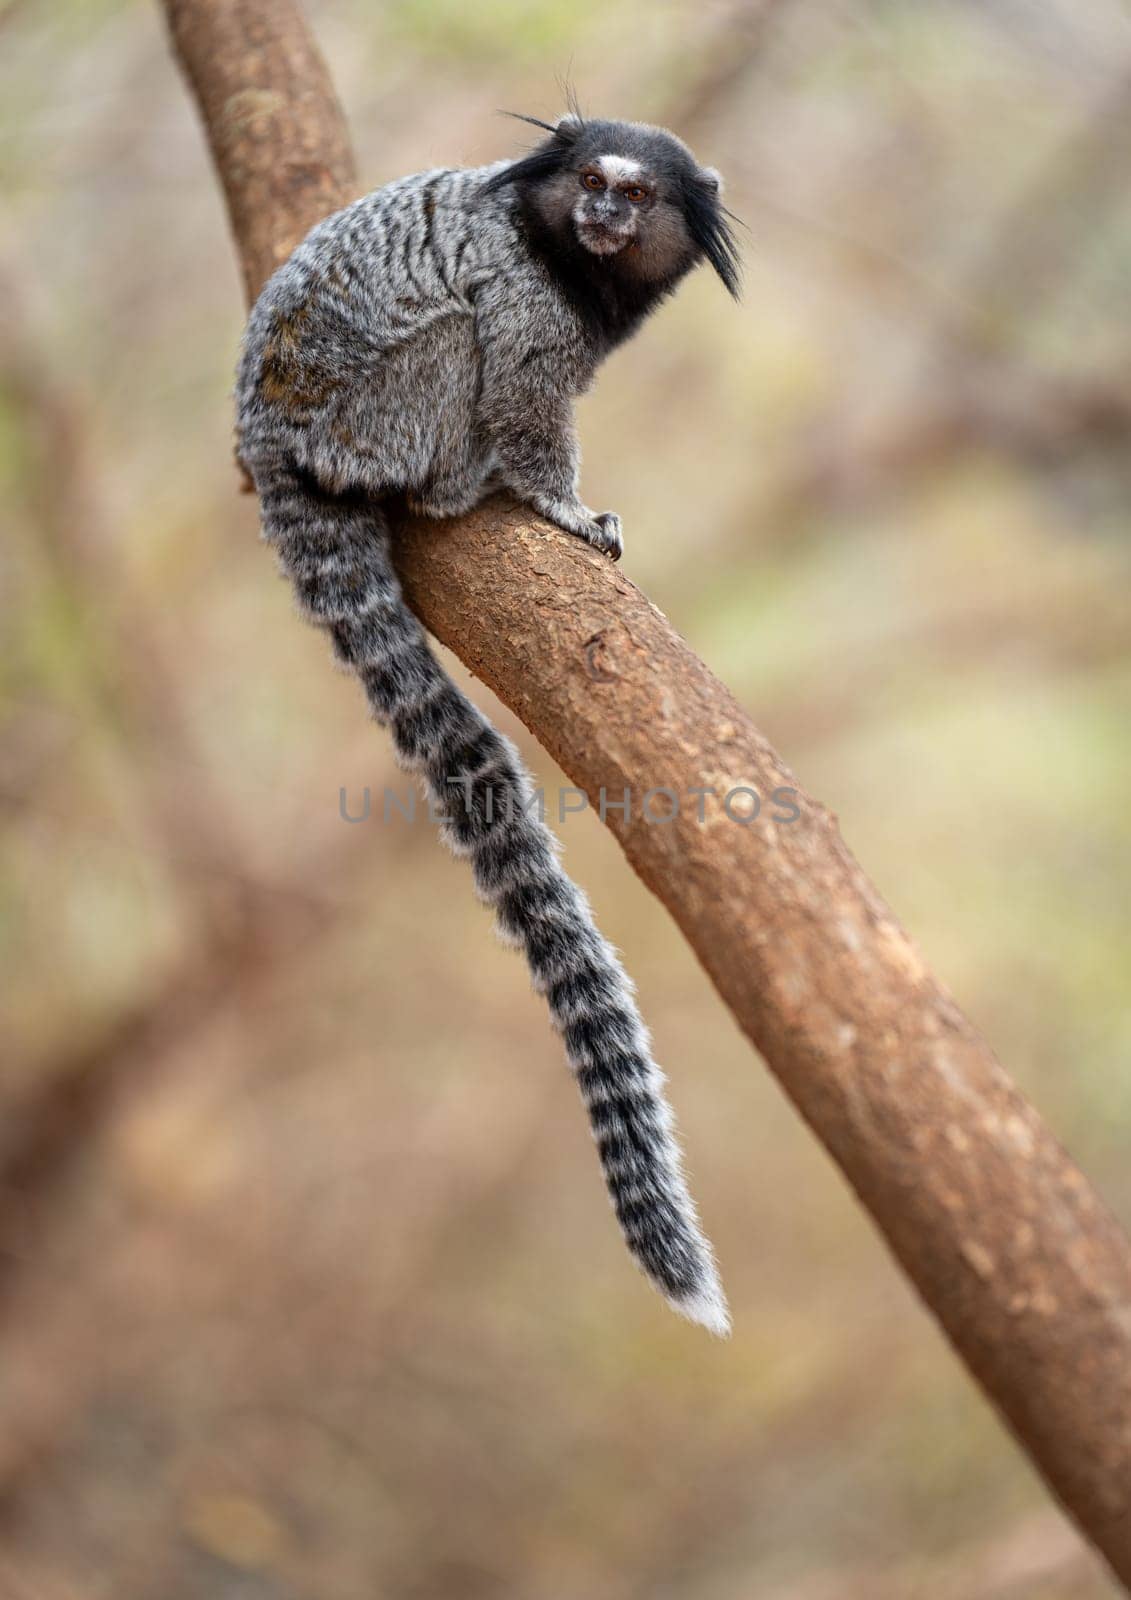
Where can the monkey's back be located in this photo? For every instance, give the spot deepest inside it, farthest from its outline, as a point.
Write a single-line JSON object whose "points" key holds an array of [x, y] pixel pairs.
{"points": [[368, 323]]}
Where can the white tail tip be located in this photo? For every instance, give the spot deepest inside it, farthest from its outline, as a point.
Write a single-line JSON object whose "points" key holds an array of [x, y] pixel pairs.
{"points": [[708, 1307]]}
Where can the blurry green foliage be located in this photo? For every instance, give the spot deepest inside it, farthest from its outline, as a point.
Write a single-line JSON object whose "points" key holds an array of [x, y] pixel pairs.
{"points": [[519, 30]]}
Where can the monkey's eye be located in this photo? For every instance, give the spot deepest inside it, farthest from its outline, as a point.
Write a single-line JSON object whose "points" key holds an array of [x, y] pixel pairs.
{"points": [[636, 194], [592, 181]]}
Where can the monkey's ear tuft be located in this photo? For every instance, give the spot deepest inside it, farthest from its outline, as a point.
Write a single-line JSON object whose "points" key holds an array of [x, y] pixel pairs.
{"points": [[543, 162], [573, 122], [535, 122], [565, 130], [709, 225]]}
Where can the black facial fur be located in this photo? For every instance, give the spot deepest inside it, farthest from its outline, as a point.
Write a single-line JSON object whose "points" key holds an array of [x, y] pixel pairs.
{"points": [[683, 222]]}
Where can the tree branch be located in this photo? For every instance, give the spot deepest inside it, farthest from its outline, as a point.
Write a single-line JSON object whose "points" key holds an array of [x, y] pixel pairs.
{"points": [[1011, 1249]]}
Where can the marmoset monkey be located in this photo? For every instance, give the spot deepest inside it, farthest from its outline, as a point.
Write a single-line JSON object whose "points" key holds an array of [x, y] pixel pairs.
{"points": [[426, 343]]}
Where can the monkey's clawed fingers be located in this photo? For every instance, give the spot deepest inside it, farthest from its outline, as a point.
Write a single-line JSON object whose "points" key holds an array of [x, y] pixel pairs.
{"points": [[607, 535]]}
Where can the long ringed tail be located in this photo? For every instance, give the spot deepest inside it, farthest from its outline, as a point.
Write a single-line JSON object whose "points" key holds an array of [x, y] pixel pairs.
{"points": [[336, 551]]}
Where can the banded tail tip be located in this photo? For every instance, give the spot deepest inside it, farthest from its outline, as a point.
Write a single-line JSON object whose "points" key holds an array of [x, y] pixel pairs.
{"points": [[706, 1305]]}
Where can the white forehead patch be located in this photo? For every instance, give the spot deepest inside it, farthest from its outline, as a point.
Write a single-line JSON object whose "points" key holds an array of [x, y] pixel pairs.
{"points": [[619, 169]]}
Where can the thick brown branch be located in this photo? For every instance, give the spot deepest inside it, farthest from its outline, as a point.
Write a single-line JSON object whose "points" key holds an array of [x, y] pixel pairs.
{"points": [[274, 124], [1009, 1246]]}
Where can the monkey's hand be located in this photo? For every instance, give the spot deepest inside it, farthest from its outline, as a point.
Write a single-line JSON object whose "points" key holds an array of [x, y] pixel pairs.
{"points": [[599, 529], [606, 535]]}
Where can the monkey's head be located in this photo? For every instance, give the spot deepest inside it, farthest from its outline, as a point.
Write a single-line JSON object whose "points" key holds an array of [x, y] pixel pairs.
{"points": [[629, 195]]}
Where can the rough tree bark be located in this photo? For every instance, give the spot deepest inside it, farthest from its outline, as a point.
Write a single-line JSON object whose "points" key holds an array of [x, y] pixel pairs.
{"points": [[1009, 1246]]}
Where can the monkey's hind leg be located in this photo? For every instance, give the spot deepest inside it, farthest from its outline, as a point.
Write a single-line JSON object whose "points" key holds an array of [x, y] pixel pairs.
{"points": [[417, 409]]}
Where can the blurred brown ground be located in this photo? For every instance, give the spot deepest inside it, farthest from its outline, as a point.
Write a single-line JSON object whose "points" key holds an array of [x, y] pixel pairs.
{"points": [[308, 1287]]}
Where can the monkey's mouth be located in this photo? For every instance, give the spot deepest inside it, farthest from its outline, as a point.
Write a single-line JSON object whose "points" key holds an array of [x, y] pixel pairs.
{"points": [[601, 240]]}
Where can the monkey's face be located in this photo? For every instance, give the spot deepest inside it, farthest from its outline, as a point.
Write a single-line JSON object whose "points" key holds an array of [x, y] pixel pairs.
{"points": [[630, 196], [620, 209], [613, 196]]}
